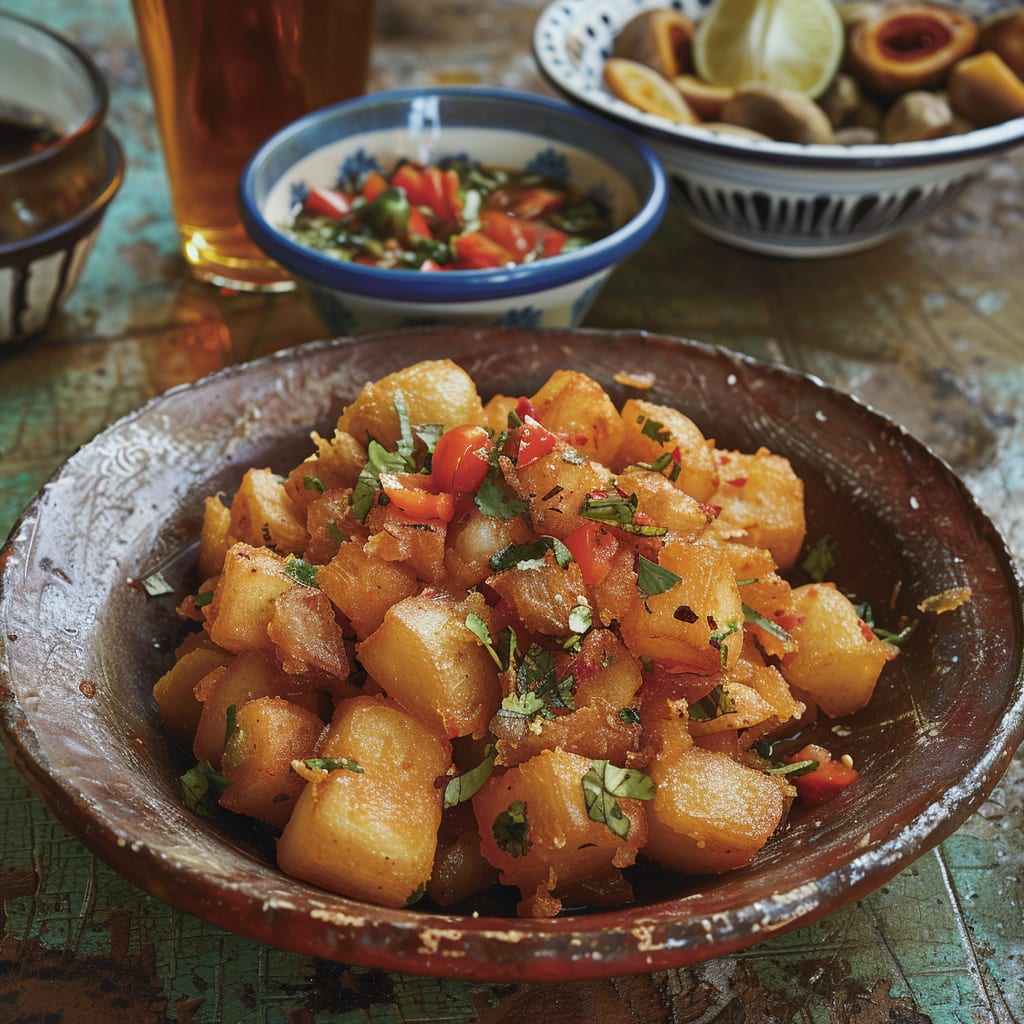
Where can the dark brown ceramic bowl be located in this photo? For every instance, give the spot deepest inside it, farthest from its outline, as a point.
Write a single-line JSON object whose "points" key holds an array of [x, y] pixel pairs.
{"points": [[82, 647]]}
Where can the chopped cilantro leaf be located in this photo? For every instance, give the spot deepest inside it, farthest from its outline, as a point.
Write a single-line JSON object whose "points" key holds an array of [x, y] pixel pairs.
{"points": [[463, 787], [603, 783], [510, 830], [155, 585], [331, 764], [717, 641], [652, 578], [717, 703], [313, 483], [201, 788], [619, 511], [754, 617], [300, 571], [820, 559], [629, 715], [654, 430]]}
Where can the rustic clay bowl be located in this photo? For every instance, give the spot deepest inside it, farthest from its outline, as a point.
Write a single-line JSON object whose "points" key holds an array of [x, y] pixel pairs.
{"points": [[82, 647]]}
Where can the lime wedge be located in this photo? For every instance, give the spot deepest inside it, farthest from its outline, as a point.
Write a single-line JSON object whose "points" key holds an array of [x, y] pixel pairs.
{"points": [[793, 44]]}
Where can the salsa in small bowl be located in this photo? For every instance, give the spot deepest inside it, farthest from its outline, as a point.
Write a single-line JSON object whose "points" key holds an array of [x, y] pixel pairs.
{"points": [[454, 206]]}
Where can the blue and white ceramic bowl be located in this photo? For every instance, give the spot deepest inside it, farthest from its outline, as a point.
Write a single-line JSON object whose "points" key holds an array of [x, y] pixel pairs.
{"points": [[779, 198], [496, 127]]}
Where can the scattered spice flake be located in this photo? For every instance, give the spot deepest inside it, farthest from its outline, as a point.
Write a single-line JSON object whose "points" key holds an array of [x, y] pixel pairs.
{"points": [[946, 601], [630, 379]]}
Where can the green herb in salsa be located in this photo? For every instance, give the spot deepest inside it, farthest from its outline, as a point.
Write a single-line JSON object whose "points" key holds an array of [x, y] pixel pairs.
{"points": [[457, 215]]}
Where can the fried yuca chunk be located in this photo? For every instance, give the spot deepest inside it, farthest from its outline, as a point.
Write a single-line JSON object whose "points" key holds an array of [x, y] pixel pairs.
{"points": [[575, 406], [425, 657], [838, 658], [695, 624], [550, 825], [710, 814], [366, 823], [762, 503], [268, 734], [435, 391], [651, 432]]}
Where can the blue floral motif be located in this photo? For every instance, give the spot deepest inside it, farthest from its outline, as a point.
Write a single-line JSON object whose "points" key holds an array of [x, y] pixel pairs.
{"points": [[528, 317], [356, 164], [549, 163], [299, 193]]}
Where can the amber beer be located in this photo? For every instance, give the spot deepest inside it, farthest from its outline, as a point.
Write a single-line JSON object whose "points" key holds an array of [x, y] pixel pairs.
{"points": [[224, 77]]}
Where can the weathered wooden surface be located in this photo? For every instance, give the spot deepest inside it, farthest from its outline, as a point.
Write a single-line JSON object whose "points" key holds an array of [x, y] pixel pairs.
{"points": [[928, 328]]}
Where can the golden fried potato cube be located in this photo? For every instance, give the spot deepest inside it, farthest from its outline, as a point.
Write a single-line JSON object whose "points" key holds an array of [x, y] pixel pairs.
{"points": [[243, 601], [213, 538], [270, 733], [697, 624], [305, 633], [330, 522], [574, 405], [535, 828], [369, 831], [419, 543], [435, 391], [364, 586], [651, 431], [555, 486], [473, 538], [710, 814], [597, 730], [543, 595], [334, 466], [496, 412], [605, 671], [248, 677], [762, 503], [425, 656], [666, 504], [263, 513], [838, 658], [174, 691]]}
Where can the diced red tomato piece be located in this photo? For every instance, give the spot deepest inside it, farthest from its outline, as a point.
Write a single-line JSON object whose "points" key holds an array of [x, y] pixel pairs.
{"points": [[328, 202], [475, 251], [524, 408], [373, 185], [418, 226], [431, 266], [409, 178], [536, 202], [522, 237], [593, 547], [437, 199], [414, 495], [535, 441], [460, 460], [825, 781]]}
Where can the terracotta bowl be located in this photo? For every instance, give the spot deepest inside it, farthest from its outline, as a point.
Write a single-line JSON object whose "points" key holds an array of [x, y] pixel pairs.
{"points": [[81, 648]]}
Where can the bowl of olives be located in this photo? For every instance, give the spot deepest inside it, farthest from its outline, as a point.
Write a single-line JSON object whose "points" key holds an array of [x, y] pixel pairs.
{"points": [[801, 128]]}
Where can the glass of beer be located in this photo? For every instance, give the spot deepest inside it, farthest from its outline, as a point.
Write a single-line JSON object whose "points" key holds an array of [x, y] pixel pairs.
{"points": [[224, 77]]}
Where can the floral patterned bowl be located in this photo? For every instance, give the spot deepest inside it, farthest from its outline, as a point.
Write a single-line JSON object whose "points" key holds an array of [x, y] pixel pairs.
{"points": [[498, 128]]}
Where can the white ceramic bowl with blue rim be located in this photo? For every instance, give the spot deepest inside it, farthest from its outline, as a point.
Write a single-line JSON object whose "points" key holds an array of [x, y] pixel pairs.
{"points": [[779, 198], [496, 127]]}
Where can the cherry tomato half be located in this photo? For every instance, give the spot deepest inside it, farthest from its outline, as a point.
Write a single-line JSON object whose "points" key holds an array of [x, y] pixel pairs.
{"points": [[459, 463], [415, 495]]}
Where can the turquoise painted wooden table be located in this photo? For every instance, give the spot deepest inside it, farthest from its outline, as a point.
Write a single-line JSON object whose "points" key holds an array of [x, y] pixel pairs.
{"points": [[929, 328]]}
